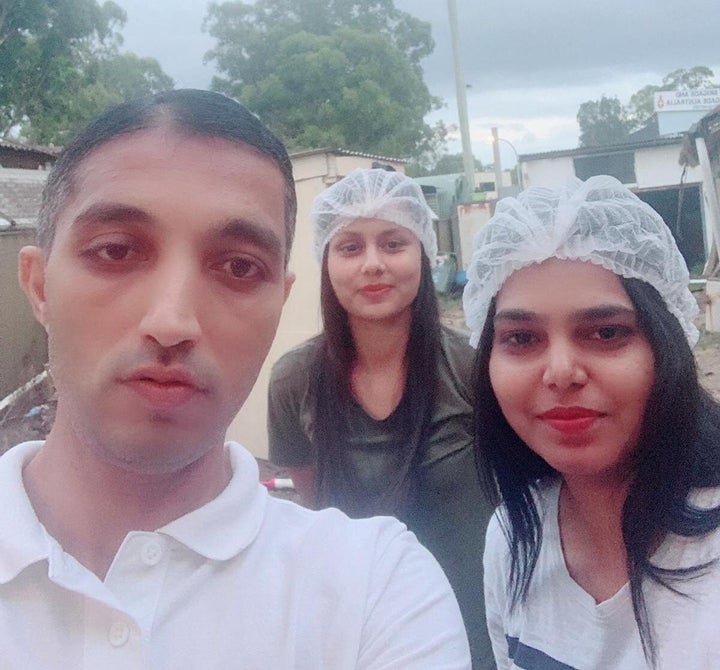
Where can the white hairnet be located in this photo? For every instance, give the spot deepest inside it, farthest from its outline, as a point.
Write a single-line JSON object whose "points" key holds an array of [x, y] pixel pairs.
{"points": [[599, 221], [373, 194]]}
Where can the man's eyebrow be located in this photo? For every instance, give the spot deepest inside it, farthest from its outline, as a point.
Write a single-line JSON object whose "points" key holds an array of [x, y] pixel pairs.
{"points": [[111, 212], [255, 233]]}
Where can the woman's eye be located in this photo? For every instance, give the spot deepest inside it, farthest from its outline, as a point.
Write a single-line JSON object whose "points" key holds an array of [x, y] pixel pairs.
{"points": [[518, 339], [348, 248], [395, 245], [609, 333]]}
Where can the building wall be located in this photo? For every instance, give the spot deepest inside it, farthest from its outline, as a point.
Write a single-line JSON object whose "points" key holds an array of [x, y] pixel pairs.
{"points": [[301, 318], [23, 345], [470, 219], [654, 167], [25, 159], [550, 172], [658, 166]]}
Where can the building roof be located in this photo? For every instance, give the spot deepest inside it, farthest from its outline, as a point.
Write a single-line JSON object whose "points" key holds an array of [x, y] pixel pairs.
{"points": [[707, 127], [666, 140], [21, 195], [443, 193], [345, 152], [50, 151]]}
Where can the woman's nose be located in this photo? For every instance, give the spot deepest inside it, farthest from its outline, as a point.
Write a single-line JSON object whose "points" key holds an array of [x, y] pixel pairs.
{"points": [[373, 261], [564, 367]]}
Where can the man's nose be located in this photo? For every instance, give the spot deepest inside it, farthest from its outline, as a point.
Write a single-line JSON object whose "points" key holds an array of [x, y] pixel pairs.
{"points": [[564, 367], [171, 316]]}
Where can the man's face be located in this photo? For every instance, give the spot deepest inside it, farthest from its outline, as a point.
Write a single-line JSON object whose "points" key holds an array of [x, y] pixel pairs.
{"points": [[161, 295]]}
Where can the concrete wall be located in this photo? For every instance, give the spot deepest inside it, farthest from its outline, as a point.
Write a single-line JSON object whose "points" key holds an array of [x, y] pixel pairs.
{"points": [[658, 166], [23, 345], [654, 166], [550, 172], [301, 318], [470, 219]]}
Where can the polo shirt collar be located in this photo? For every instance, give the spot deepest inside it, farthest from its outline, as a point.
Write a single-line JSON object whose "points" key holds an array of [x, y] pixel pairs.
{"points": [[219, 530], [222, 528], [23, 539]]}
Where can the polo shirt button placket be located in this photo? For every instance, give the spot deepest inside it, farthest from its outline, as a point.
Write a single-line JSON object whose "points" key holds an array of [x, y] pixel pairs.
{"points": [[119, 634]]}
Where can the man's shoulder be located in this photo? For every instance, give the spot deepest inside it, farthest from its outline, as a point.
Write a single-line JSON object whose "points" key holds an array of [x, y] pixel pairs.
{"points": [[377, 573], [341, 550], [14, 459], [22, 537], [295, 523]]}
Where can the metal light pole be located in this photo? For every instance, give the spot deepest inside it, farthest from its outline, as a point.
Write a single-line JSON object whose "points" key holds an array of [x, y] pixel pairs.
{"points": [[496, 162], [468, 160], [517, 161]]}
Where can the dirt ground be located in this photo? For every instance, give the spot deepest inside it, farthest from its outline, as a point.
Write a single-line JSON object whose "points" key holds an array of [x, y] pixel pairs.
{"points": [[31, 416]]}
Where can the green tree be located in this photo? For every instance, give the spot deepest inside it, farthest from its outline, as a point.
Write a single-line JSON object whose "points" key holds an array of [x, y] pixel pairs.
{"points": [[60, 66], [642, 103], [100, 84], [341, 73], [601, 122], [444, 164], [451, 164], [607, 121]]}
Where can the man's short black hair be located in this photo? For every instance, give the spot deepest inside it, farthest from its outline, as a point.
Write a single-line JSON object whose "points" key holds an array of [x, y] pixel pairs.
{"points": [[190, 111]]}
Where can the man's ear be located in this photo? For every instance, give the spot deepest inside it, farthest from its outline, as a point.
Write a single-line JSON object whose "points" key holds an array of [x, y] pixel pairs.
{"points": [[289, 281], [31, 273]]}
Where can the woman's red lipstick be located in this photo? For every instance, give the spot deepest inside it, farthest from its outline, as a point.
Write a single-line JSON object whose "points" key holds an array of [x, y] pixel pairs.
{"points": [[375, 289], [570, 420]]}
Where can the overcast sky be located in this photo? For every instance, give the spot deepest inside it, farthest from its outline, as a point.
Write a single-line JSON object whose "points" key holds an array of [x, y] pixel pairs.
{"points": [[528, 65]]}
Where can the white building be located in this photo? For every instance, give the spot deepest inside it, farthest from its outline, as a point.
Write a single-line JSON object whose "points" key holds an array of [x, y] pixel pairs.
{"points": [[651, 169]]}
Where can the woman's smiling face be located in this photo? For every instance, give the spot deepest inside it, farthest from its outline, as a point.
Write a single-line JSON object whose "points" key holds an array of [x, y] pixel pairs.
{"points": [[374, 268], [570, 367]]}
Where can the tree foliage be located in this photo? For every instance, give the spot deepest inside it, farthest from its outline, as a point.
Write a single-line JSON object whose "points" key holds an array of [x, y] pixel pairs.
{"points": [[444, 164], [601, 122], [642, 103], [607, 121], [339, 73], [60, 66]]}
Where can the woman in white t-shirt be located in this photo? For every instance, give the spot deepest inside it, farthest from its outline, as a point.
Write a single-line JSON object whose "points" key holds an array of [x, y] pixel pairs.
{"points": [[603, 444]]}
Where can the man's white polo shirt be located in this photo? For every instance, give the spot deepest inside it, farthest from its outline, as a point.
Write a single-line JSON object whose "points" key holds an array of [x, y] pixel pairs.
{"points": [[246, 581]]}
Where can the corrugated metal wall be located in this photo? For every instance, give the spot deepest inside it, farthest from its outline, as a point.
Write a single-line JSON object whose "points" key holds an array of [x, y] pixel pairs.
{"points": [[23, 344]]}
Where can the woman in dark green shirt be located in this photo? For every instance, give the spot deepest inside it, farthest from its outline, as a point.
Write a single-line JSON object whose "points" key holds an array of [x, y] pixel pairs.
{"points": [[374, 415]]}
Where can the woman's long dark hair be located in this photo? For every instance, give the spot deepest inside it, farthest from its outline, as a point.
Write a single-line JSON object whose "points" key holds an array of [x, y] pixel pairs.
{"points": [[678, 450], [330, 386]]}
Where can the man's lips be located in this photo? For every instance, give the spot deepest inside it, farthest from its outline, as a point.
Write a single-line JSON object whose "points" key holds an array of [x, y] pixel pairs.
{"points": [[570, 419], [164, 387]]}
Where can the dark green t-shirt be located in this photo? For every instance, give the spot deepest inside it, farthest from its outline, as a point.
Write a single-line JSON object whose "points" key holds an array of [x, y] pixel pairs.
{"points": [[450, 511]]}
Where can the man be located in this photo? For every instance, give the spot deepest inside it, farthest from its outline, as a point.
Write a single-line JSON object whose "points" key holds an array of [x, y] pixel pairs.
{"points": [[133, 537]]}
